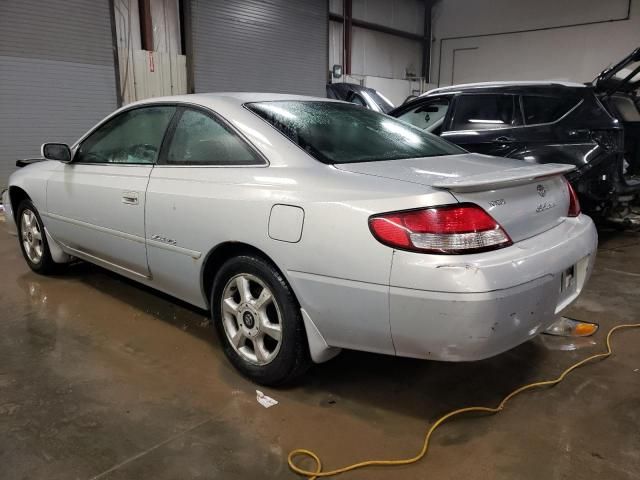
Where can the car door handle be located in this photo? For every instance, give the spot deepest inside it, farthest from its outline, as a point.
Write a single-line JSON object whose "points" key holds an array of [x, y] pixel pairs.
{"points": [[580, 132], [504, 139], [130, 198]]}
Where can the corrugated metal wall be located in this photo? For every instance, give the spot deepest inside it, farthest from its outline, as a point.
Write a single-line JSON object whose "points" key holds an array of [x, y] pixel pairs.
{"points": [[260, 45], [57, 74]]}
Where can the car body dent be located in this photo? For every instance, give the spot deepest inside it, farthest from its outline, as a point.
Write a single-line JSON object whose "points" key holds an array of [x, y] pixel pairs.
{"points": [[478, 303]]}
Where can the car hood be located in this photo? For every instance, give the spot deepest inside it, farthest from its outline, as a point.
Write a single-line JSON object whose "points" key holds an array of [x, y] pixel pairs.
{"points": [[623, 77]]}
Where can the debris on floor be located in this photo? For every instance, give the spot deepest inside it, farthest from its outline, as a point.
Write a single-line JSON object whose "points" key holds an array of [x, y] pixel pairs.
{"points": [[265, 400]]}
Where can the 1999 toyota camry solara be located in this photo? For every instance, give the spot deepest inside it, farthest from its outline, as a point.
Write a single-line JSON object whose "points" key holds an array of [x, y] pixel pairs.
{"points": [[308, 225]]}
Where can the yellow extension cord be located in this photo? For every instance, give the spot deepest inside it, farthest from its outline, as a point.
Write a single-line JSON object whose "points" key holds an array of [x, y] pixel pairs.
{"points": [[312, 475]]}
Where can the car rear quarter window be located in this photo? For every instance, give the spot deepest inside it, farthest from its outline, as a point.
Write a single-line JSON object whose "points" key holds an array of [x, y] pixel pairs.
{"points": [[336, 132], [546, 109], [199, 139], [483, 111]]}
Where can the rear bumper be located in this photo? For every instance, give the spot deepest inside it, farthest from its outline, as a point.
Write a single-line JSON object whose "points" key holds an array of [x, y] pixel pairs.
{"points": [[470, 307]]}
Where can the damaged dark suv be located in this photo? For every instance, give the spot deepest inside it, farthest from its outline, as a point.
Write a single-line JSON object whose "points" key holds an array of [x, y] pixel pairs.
{"points": [[594, 127]]}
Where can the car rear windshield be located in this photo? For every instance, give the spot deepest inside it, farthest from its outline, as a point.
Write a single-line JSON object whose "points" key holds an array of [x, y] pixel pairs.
{"points": [[334, 132]]}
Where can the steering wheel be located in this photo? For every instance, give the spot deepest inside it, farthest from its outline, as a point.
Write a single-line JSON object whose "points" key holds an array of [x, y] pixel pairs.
{"points": [[144, 151]]}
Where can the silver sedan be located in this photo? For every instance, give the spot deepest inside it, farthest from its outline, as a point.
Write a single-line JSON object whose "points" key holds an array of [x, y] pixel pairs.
{"points": [[307, 225]]}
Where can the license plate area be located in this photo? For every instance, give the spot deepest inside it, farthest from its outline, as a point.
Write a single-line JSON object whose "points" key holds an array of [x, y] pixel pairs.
{"points": [[568, 279], [572, 280]]}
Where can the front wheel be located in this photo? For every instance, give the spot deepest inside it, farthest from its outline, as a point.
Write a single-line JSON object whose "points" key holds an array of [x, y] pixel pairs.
{"points": [[33, 240], [258, 321]]}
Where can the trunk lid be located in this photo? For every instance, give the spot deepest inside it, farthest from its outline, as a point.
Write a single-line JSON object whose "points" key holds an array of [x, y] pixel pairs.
{"points": [[526, 199], [623, 77]]}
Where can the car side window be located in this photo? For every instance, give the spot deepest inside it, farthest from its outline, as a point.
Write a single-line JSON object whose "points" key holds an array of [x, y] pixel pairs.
{"points": [[483, 111], [546, 109], [427, 114], [199, 139], [133, 137]]}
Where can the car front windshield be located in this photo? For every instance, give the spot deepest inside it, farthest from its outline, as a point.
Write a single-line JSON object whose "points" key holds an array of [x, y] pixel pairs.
{"points": [[336, 132]]}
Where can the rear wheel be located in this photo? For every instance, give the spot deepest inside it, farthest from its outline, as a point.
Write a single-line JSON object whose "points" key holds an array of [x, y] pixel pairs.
{"points": [[33, 240], [258, 321]]}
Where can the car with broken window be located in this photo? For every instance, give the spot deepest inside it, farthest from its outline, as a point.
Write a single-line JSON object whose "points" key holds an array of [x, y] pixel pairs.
{"points": [[591, 126], [306, 226]]}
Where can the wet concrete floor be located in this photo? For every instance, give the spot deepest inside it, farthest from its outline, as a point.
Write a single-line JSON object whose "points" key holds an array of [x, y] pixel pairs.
{"points": [[104, 379]]}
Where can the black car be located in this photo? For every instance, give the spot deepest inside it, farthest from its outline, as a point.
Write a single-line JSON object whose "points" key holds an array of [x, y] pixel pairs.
{"points": [[363, 96], [547, 122], [617, 87]]}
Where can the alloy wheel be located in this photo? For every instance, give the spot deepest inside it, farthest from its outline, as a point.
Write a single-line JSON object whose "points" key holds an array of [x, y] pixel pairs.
{"points": [[251, 319], [31, 236]]}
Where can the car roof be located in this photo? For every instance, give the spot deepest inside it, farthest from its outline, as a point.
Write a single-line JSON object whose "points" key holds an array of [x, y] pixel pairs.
{"points": [[236, 98], [535, 83]]}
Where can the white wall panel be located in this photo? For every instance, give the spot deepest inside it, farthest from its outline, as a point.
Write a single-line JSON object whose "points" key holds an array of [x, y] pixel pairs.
{"points": [[454, 18], [127, 17], [383, 55], [394, 89], [335, 44], [335, 6], [375, 53], [575, 53], [151, 74], [405, 15], [165, 21]]}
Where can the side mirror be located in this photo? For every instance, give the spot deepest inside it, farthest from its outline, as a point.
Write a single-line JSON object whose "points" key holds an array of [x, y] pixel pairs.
{"points": [[56, 151]]}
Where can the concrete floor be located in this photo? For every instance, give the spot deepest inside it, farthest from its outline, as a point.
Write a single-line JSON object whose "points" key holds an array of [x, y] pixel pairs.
{"points": [[101, 378]]}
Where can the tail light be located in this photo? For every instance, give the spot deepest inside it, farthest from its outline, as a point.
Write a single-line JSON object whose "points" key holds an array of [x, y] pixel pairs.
{"points": [[574, 203], [449, 229]]}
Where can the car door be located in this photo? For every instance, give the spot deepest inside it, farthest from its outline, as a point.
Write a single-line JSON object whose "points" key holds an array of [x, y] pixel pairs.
{"points": [[489, 123], [192, 198], [95, 204]]}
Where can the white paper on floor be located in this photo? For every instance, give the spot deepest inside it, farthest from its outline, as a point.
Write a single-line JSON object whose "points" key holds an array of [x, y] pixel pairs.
{"points": [[265, 400]]}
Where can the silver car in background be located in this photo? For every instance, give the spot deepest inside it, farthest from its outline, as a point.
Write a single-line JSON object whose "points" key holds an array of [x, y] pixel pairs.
{"points": [[307, 225]]}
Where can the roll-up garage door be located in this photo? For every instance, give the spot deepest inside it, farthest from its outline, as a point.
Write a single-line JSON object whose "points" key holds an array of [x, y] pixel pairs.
{"points": [[260, 45], [57, 74]]}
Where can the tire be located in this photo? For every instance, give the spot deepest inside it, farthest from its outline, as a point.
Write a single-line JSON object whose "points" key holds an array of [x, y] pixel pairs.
{"points": [[249, 332], [34, 250]]}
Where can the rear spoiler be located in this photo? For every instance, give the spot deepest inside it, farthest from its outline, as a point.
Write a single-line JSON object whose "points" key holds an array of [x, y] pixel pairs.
{"points": [[506, 178]]}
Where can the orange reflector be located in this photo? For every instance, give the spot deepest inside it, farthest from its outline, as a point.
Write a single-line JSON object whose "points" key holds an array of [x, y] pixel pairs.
{"points": [[585, 329]]}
